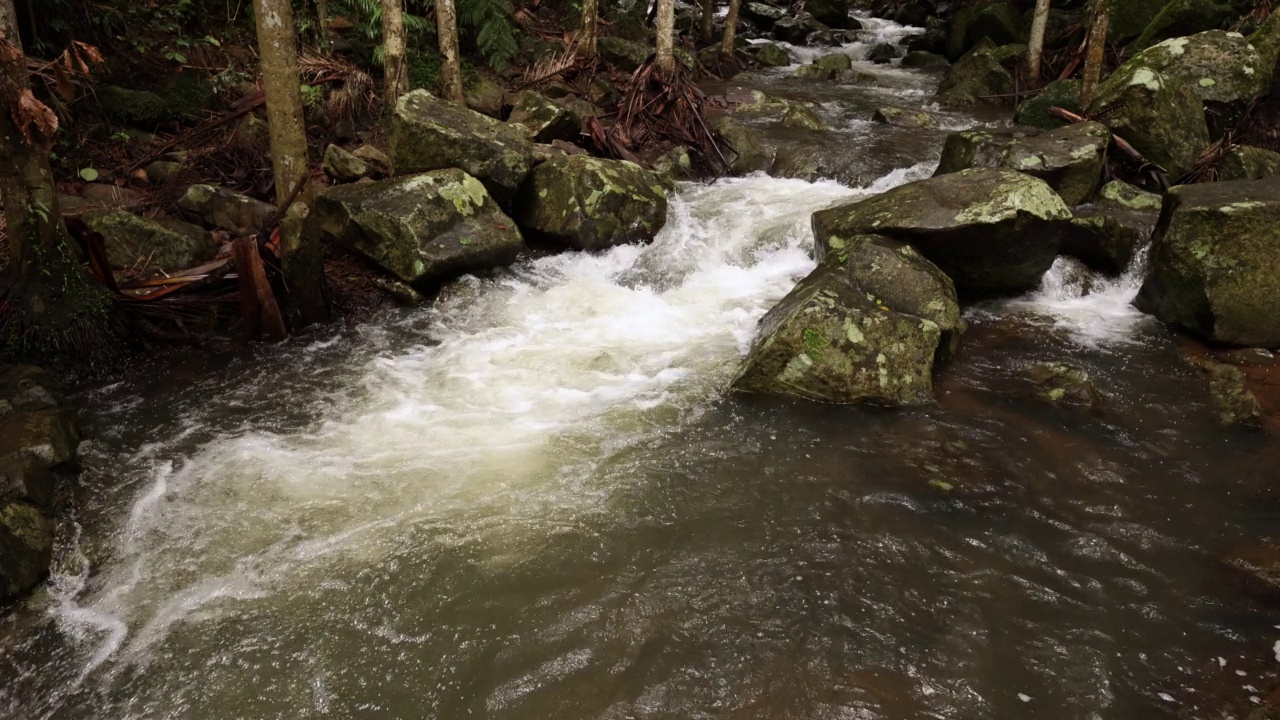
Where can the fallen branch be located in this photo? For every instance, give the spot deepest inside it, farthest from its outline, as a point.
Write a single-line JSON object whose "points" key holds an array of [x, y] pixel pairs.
{"points": [[1119, 142]]}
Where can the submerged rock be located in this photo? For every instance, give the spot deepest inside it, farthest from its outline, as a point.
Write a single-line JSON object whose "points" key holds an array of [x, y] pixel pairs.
{"points": [[1213, 262], [1064, 385], [992, 231], [1160, 116], [423, 228], [899, 117], [428, 133], [749, 153], [1069, 159], [545, 120], [134, 241], [590, 203], [1232, 401], [227, 209], [864, 327]]}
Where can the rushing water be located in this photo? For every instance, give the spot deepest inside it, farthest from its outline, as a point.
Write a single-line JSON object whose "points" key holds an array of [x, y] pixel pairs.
{"points": [[534, 500]]}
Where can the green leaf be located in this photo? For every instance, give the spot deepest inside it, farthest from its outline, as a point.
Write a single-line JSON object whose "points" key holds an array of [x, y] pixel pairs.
{"points": [[88, 174], [464, 241]]}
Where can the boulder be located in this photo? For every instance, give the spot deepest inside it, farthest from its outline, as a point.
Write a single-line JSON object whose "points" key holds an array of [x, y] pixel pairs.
{"points": [[832, 13], [762, 15], [1063, 385], [1124, 195], [1130, 17], [1103, 243], [143, 108], [1266, 40], [623, 54], [801, 117], [1213, 262], [223, 208], [485, 96], [1245, 162], [796, 30], [545, 120], [882, 54], [977, 74], [1160, 116], [161, 171], [833, 62], [998, 22], [770, 55], [134, 241], [428, 133], [1217, 65], [1070, 159], [898, 117], [1034, 112], [342, 165], [992, 231], [864, 327], [423, 229], [923, 59], [591, 203], [749, 152], [26, 547], [1233, 403], [377, 161]]}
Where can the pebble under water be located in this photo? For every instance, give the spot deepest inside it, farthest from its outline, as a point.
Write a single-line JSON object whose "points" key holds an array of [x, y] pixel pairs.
{"points": [[535, 500]]}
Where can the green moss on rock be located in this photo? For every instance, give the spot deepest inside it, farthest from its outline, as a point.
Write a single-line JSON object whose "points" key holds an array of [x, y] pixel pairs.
{"points": [[1070, 159], [591, 203]]}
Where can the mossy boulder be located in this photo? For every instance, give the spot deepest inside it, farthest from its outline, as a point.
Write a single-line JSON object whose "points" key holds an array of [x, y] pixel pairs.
{"points": [[749, 153], [342, 165], [1233, 403], [1070, 159], [545, 120], [1034, 112], [978, 74], [142, 108], [1213, 262], [1160, 116], [26, 547], [796, 29], [762, 15], [833, 13], [1128, 196], [423, 229], [485, 96], [1266, 40], [1245, 162], [864, 327], [900, 117], [923, 59], [428, 133], [770, 55], [224, 208], [591, 203], [623, 54], [1218, 66], [1103, 243], [833, 62], [134, 241], [1130, 17], [1063, 385], [992, 231], [1179, 18], [882, 54], [999, 22]]}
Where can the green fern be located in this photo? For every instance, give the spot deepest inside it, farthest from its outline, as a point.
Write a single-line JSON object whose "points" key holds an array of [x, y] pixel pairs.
{"points": [[495, 33]]}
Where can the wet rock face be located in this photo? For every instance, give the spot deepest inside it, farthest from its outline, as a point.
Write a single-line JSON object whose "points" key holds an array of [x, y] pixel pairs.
{"points": [[899, 117], [1217, 65], [1069, 159], [1160, 115], [748, 153], [1064, 385], [134, 241], [1234, 404], [227, 209], [38, 437], [423, 228], [590, 203], [864, 327], [1213, 262], [770, 55], [428, 133], [993, 232]]}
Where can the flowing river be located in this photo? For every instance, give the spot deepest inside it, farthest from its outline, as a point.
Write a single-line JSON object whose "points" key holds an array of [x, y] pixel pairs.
{"points": [[535, 500]]}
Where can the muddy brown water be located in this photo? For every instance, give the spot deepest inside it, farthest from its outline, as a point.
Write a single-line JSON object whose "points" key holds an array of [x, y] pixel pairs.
{"points": [[534, 500]]}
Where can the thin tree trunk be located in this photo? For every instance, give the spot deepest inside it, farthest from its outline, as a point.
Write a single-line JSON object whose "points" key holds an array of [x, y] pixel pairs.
{"points": [[322, 20], [590, 28], [393, 46], [727, 46], [666, 34], [708, 20], [451, 72], [301, 260], [1096, 54], [52, 312], [1035, 45]]}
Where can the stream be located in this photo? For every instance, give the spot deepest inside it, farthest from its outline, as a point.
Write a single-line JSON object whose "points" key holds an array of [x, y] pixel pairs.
{"points": [[534, 499]]}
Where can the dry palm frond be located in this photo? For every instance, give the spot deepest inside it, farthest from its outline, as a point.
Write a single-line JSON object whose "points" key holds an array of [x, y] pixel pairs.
{"points": [[661, 107], [1208, 167], [357, 96], [550, 67]]}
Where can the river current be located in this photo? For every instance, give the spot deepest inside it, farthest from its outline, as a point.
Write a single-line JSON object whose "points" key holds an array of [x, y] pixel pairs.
{"points": [[534, 499]]}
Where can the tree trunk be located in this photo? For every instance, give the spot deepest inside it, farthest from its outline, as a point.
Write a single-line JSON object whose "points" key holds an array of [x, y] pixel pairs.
{"points": [[1035, 45], [301, 259], [393, 46], [451, 71], [322, 30], [707, 28], [590, 29], [1096, 54], [666, 34], [51, 311], [731, 28]]}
